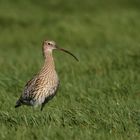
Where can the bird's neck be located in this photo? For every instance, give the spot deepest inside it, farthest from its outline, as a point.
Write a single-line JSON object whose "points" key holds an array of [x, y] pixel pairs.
{"points": [[49, 65]]}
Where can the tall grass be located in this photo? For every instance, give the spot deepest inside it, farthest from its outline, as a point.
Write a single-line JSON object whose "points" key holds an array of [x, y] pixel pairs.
{"points": [[99, 97]]}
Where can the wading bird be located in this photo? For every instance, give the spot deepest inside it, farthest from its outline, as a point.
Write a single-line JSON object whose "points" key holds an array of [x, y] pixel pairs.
{"points": [[43, 86]]}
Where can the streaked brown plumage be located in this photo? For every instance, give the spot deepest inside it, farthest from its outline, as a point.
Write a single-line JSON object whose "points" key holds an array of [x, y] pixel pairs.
{"points": [[43, 86]]}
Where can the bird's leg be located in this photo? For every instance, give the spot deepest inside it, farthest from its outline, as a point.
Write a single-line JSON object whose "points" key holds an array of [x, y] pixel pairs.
{"points": [[42, 106], [46, 101]]}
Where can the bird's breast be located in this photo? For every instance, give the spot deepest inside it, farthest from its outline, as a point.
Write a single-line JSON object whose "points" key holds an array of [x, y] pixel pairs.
{"points": [[47, 88], [49, 81]]}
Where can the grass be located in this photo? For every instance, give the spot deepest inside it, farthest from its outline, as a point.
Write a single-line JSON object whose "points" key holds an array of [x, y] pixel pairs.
{"points": [[99, 97]]}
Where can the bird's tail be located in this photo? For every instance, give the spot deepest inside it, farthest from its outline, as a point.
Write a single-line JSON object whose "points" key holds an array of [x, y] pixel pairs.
{"points": [[18, 103]]}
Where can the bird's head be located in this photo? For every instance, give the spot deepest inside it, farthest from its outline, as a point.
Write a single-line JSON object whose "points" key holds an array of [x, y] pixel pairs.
{"points": [[48, 46]]}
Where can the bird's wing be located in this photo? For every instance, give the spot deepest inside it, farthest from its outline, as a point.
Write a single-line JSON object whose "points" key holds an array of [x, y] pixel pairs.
{"points": [[32, 87], [29, 87]]}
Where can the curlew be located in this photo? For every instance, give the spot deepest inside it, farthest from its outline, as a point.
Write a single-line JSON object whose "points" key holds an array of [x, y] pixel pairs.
{"points": [[44, 85]]}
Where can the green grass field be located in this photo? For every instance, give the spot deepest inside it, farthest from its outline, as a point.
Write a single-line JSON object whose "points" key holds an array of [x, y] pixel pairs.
{"points": [[99, 97]]}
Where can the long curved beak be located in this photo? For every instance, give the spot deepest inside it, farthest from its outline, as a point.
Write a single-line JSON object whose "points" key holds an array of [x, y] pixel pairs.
{"points": [[67, 52]]}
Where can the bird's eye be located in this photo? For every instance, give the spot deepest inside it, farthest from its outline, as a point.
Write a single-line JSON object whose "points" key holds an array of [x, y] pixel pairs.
{"points": [[49, 43]]}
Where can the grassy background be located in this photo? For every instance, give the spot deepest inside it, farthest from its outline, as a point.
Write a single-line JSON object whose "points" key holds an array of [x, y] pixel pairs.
{"points": [[99, 97]]}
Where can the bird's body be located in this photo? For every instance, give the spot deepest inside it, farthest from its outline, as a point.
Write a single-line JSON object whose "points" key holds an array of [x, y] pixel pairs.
{"points": [[43, 86]]}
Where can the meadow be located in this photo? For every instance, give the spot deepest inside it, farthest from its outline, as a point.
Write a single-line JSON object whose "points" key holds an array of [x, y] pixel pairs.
{"points": [[99, 96]]}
